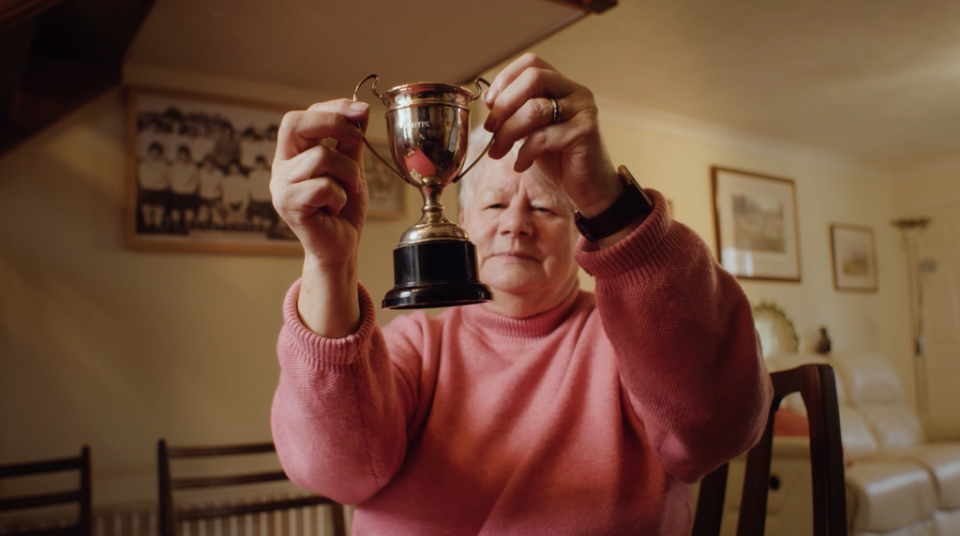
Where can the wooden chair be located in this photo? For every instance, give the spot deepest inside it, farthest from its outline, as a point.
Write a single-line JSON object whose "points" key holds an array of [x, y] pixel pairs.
{"points": [[817, 385], [171, 516], [82, 495]]}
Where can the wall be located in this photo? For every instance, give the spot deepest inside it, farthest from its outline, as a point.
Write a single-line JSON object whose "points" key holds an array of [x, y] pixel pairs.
{"points": [[117, 348], [935, 193], [674, 155]]}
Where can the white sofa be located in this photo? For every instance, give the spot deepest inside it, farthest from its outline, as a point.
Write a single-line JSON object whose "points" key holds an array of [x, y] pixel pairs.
{"points": [[905, 474]]}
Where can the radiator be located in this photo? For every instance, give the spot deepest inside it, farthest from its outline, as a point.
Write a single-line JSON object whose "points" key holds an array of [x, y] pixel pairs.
{"points": [[142, 520], [306, 521]]}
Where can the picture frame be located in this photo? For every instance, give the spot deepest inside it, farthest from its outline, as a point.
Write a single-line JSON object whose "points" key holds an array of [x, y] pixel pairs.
{"points": [[388, 192], [755, 221], [198, 174], [853, 256]]}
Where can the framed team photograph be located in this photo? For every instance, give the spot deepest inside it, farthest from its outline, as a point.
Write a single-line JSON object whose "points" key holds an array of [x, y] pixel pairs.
{"points": [[755, 219], [854, 258], [198, 175]]}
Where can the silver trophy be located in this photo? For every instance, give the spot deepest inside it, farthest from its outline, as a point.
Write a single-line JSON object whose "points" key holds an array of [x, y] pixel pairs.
{"points": [[435, 264]]}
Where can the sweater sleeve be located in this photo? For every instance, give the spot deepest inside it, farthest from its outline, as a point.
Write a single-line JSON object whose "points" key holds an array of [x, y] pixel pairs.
{"points": [[686, 345], [341, 406]]}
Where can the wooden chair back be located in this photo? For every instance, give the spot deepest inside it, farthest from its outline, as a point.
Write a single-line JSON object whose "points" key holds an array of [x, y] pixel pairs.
{"points": [[816, 384], [171, 516], [82, 495]]}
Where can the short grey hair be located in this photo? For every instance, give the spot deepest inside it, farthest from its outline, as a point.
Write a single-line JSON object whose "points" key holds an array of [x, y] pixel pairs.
{"points": [[479, 139]]}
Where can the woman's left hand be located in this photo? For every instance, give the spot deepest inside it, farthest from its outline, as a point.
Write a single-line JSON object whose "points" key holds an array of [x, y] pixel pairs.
{"points": [[570, 151]]}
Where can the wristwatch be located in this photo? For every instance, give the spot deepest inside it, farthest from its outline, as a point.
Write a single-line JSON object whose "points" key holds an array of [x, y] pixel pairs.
{"points": [[633, 203]]}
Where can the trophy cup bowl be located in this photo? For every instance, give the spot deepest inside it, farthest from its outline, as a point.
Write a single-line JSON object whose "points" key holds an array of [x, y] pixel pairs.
{"points": [[428, 124]]}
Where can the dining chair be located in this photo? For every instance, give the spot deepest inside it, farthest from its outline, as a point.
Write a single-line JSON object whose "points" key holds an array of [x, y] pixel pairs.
{"points": [[81, 495], [817, 386], [172, 514]]}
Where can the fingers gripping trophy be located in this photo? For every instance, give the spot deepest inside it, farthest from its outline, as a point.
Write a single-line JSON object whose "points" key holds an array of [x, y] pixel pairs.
{"points": [[435, 264]]}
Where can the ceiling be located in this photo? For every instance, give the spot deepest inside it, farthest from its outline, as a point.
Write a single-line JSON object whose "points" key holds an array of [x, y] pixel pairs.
{"points": [[878, 82], [331, 45]]}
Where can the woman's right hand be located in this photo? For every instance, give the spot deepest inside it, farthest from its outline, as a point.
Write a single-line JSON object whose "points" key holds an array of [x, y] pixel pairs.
{"points": [[320, 191]]}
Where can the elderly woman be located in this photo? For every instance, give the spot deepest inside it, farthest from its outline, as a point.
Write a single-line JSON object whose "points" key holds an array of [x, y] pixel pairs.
{"points": [[548, 410]]}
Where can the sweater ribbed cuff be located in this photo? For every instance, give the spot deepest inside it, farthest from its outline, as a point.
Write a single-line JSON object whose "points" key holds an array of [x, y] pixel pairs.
{"points": [[643, 252], [322, 350]]}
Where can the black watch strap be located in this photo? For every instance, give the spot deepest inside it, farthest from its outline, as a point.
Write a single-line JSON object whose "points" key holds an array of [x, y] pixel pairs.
{"points": [[633, 203]]}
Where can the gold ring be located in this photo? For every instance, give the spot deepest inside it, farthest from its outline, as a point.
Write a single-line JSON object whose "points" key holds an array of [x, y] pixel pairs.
{"points": [[557, 111]]}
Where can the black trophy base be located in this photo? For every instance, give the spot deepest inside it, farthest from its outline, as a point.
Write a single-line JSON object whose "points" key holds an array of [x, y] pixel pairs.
{"points": [[441, 273]]}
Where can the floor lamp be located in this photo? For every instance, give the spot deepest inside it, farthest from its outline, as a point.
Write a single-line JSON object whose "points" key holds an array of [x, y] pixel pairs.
{"points": [[917, 272]]}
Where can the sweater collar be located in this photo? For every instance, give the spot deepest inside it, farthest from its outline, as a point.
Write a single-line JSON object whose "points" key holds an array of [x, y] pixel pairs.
{"points": [[533, 326]]}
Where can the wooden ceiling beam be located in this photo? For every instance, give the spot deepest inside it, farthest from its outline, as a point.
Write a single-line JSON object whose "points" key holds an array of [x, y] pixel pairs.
{"points": [[74, 54], [13, 13], [593, 6]]}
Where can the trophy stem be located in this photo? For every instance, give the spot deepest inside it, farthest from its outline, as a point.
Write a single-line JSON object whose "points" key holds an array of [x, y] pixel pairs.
{"points": [[431, 190]]}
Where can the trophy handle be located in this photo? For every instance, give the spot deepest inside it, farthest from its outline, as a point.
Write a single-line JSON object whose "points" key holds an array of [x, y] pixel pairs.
{"points": [[476, 81], [373, 88], [485, 149]]}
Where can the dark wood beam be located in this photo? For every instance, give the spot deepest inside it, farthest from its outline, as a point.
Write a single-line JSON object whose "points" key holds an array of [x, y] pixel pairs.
{"points": [[593, 6], [13, 13], [14, 51], [75, 55]]}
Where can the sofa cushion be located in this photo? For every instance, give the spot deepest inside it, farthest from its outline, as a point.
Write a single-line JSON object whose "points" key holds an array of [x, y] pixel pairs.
{"points": [[856, 436], [894, 425], [867, 377], [927, 527], [942, 460], [948, 522], [885, 495]]}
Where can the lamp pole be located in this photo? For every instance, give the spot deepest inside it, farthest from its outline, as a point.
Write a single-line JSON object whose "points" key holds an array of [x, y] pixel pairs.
{"points": [[910, 229]]}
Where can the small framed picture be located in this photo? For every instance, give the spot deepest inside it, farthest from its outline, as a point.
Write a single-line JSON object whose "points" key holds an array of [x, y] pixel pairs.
{"points": [[198, 175], [388, 192], [755, 219], [854, 258]]}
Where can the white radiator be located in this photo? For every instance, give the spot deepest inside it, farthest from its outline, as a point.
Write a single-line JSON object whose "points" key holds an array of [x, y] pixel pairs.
{"points": [[142, 520]]}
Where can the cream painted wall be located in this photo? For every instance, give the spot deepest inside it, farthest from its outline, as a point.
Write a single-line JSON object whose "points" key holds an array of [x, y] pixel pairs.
{"points": [[678, 165], [117, 348], [936, 194], [924, 190]]}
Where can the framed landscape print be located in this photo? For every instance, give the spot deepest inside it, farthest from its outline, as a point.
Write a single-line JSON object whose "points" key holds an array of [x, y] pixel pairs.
{"points": [[854, 258], [198, 175], [755, 219]]}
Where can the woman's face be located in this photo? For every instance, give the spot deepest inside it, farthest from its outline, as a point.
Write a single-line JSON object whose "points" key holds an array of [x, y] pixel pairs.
{"points": [[525, 239]]}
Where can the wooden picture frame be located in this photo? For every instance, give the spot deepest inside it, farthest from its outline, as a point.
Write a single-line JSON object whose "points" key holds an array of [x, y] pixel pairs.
{"points": [[755, 221], [198, 173], [853, 256]]}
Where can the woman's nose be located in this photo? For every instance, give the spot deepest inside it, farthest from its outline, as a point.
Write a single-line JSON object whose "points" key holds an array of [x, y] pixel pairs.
{"points": [[516, 219]]}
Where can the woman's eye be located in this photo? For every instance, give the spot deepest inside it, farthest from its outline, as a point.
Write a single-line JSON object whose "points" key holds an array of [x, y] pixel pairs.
{"points": [[543, 210], [495, 205]]}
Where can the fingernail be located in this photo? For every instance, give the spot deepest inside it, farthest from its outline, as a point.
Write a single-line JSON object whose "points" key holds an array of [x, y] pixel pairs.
{"points": [[359, 106], [489, 123], [488, 97]]}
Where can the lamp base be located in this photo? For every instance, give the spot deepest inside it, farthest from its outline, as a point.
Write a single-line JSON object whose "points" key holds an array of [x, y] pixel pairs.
{"points": [[439, 273]]}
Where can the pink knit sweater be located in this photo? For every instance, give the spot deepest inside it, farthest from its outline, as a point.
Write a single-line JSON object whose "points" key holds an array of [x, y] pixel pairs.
{"points": [[586, 419]]}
